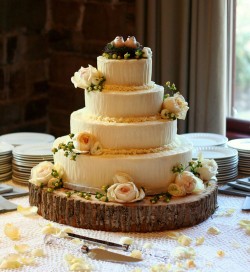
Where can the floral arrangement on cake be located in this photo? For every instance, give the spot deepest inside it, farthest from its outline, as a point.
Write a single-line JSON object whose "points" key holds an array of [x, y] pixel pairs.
{"points": [[81, 143], [174, 105], [129, 49], [189, 180], [47, 174], [88, 78]]}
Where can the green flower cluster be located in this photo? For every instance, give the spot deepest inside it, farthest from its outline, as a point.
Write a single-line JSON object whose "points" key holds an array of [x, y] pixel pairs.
{"points": [[56, 183], [170, 89], [98, 87], [112, 52], [163, 196], [192, 165], [67, 148]]}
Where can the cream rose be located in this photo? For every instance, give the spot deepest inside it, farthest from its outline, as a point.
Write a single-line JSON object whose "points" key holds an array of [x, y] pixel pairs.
{"points": [[187, 180], [83, 141], [177, 105], [208, 170], [41, 173], [146, 52], [85, 77], [124, 192]]}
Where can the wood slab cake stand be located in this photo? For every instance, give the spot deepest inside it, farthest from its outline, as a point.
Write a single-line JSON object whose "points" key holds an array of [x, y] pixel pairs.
{"points": [[141, 216]]}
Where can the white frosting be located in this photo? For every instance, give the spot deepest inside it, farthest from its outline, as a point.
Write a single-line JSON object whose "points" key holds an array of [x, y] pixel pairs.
{"points": [[148, 134], [125, 104], [129, 72], [151, 171]]}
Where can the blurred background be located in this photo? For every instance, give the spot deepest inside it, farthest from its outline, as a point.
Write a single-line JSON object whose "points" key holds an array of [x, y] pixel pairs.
{"points": [[42, 44]]}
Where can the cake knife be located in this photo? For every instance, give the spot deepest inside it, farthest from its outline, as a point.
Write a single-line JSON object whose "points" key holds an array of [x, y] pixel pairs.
{"points": [[124, 247], [100, 254]]}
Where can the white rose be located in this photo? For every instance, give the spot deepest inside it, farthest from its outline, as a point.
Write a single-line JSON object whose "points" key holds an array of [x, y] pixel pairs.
{"points": [[176, 104], [146, 52], [83, 141], [121, 177], [208, 170], [58, 167], [124, 192], [41, 173], [187, 180], [86, 76]]}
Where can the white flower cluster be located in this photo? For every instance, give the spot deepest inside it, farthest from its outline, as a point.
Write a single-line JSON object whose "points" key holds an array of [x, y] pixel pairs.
{"points": [[174, 107], [187, 182], [85, 142], [41, 174], [88, 78], [124, 190]]}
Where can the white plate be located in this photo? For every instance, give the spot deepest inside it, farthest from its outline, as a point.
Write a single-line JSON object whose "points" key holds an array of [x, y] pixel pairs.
{"points": [[240, 144], [5, 148], [33, 150], [206, 139], [214, 152], [21, 138]]}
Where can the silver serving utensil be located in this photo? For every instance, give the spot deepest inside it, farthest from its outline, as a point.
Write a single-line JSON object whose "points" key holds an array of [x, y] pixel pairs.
{"points": [[100, 254], [124, 247]]}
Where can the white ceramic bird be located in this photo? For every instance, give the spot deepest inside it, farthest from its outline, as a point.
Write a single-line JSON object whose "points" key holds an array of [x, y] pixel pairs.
{"points": [[131, 42], [118, 41]]}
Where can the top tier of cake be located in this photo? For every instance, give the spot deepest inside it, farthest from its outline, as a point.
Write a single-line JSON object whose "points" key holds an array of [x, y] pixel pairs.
{"points": [[132, 72]]}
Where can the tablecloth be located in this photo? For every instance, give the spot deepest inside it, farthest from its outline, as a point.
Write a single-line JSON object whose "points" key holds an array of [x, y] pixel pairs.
{"points": [[232, 240]]}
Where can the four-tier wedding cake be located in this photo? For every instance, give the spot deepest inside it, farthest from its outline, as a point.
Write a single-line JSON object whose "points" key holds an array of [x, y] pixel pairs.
{"points": [[126, 127]]}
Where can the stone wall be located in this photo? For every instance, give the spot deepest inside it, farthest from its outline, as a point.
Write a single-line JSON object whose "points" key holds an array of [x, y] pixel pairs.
{"points": [[42, 43]]}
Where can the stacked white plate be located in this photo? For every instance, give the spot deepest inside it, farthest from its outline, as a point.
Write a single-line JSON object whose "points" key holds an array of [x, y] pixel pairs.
{"points": [[206, 139], [226, 158], [25, 157], [21, 138], [243, 148], [5, 161]]}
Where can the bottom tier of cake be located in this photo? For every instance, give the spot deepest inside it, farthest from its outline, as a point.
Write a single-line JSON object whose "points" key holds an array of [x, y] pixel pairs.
{"points": [[141, 216], [152, 171]]}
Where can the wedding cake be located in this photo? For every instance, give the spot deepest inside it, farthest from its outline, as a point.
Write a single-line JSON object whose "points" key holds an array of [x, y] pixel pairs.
{"points": [[122, 148], [121, 129]]}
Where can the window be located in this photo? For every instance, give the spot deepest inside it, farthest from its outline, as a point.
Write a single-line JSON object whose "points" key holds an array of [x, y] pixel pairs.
{"points": [[238, 124]]}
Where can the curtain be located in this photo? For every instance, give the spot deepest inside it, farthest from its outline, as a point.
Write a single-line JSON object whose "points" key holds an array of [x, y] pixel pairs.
{"points": [[190, 48]]}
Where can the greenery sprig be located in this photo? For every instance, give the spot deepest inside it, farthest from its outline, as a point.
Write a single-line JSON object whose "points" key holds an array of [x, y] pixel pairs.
{"points": [[166, 197], [98, 87], [124, 52], [192, 165], [170, 89], [67, 148]]}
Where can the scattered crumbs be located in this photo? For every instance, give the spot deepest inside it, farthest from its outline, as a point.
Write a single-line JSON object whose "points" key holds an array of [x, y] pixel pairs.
{"points": [[213, 230], [190, 264], [148, 246], [126, 240], [136, 254], [220, 253], [199, 240], [184, 240], [173, 234]]}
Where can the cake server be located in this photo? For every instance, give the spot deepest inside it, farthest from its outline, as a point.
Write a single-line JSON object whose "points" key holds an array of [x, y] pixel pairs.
{"points": [[98, 241], [100, 254]]}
